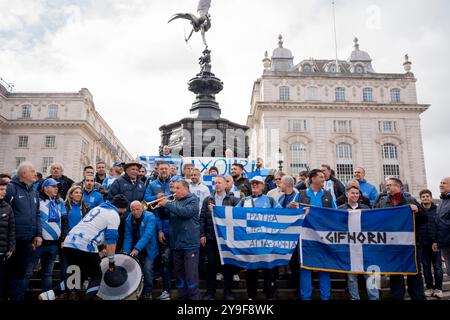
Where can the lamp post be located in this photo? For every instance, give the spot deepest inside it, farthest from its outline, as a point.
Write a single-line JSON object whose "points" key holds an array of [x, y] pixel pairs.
{"points": [[280, 159]]}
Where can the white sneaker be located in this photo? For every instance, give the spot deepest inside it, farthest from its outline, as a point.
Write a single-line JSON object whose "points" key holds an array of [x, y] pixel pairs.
{"points": [[429, 292], [219, 277], [164, 296], [438, 294], [236, 278], [47, 295]]}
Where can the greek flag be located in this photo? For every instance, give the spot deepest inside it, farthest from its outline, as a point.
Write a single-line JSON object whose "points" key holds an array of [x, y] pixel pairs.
{"points": [[369, 241], [149, 162], [254, 238], [208, 179]]}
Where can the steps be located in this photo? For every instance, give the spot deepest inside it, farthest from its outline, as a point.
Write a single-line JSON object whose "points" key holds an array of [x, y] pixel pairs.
{"points": [[284, 292]]}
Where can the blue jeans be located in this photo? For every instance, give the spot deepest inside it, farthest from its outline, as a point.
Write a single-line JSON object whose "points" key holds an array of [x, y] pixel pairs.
{"points": [[353, 288], [147, 268], [18, 265], [306, 285], [166, 257], [47, 253], [429, 257]]}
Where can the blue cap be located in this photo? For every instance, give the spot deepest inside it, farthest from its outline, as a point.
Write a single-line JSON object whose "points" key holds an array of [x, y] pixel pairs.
{"points": [[118, 164], [176, 178], [49, 182]]}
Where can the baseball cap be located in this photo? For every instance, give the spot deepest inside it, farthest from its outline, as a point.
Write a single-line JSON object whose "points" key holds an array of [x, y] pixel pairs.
{"points": [[257, 179], [49, 182]]}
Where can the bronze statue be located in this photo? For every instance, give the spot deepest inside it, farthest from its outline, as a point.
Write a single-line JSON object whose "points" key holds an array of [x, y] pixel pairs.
{"points": [[201, 23]]}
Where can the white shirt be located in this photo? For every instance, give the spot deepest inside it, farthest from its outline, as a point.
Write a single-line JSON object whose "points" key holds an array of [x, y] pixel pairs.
{"points": [[90, 232], [201, 191]]}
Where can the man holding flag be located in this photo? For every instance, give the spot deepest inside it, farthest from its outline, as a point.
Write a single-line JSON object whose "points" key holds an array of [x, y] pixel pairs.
{"points": [[394, 197], [260, 200]]}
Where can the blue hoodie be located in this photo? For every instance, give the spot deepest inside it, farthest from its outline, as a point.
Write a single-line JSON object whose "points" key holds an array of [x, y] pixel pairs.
{"points": [[368, 190], [24, 201]]}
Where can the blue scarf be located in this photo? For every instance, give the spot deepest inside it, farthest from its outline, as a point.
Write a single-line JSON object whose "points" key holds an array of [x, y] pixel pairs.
{"points": [[53, 212]]}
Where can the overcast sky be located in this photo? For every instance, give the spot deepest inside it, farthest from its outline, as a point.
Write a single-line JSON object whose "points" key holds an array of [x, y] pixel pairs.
{"points": [[137, 66]]}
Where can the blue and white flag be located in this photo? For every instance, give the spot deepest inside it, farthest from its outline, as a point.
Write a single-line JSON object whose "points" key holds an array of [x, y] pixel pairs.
{"points": [[254, 238], [149, 162], [359, 241]]}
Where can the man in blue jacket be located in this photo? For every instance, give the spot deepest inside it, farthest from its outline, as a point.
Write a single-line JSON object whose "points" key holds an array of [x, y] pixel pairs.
{"points": [[91, 196], [141, 242], [184, 233], [367, 189], [24, 200]]}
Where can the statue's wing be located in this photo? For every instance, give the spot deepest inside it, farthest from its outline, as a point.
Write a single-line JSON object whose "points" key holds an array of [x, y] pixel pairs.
{"points": [[203, 7], [187, 16]]}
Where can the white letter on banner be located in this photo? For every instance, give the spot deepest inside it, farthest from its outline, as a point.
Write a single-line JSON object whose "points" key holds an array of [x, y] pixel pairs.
{"points": [[374, 280]]}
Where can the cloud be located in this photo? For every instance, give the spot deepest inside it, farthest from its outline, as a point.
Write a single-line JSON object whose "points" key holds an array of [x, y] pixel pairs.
{"points": [[137, 66]]}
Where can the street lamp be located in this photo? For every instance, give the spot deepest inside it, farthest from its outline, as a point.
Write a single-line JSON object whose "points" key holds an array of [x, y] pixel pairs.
{"points": [[280, 159]]}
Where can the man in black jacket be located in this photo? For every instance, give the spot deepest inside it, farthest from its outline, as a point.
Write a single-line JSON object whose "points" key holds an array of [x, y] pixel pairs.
{"points": [[56, 172], [443, 222], [343, 199], [208, 239], [240, 182], [7, 238], [427, 236], [394, 197], [333, 185]]}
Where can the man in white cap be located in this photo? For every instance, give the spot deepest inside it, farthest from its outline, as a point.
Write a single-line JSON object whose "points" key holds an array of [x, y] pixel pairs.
{"points": [[260, 200]]}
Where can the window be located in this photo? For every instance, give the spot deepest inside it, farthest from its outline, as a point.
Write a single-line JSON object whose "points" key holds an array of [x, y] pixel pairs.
{"points": [[297, 125], [344, 162], [359, 69], [306, 68], [387, 126], [312, 93], [84, 147], [298, 157], [50, 142], [391, 170], [284, 93], [367, 94], [26, 112], [340, 94], [23, 142], [53, 112], [46, 162], [395, 95], [389, 151], [342, 126], [19, 160]]}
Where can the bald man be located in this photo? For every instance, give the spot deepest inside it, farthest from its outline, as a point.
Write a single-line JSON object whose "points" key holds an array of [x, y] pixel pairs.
{"points": [[443, 222]]}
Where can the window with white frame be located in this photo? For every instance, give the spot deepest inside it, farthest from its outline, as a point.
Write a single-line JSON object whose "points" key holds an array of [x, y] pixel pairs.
{"points": [[19, 160], [342, 126], [50, 142], [284, 93], [387, 126], [344, 162], [298, 157], [391, 170], [26, 112], [395, 95], [367, 94], [391, 166], [53, 111], [340, 94], [23, 142], [389, 151], [297, 125], [312, 93], [46, 163]]}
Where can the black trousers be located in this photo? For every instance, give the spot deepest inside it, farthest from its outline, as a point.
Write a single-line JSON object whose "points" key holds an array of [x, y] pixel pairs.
{"points": [[214, 265], [89, 265], [294, 266], [18, 265], [3, 277], [270, 282]]}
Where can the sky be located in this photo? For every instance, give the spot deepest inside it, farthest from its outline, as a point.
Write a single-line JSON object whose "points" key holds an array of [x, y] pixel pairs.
{"points": [[137, 66]]}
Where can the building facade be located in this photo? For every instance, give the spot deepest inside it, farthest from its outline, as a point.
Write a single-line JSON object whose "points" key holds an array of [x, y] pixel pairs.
{"points": [[44, 128], [342, 113]]}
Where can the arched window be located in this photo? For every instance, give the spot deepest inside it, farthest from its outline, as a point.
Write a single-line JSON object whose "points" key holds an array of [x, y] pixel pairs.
{"points": [[340, 94], [284, 93], [344, 162], [391, 166], [395, 95], [306, 68], [298, 157], [367, 94]]}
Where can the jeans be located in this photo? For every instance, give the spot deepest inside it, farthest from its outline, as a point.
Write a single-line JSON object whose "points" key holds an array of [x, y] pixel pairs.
{"points": [[429, 257], [166, 258], [147, 267], [353, 288], [306, 285], [446, 254], [18, 265], [46, 253], [186, 273]]}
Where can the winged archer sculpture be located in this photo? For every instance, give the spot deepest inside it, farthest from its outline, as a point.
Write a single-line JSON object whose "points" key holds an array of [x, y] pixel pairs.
{"points": [[201, 23]]}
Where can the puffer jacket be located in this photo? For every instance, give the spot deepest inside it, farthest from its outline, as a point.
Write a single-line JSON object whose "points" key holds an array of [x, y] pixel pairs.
{"points": [[428, 231], [443, 221], [7, 228], [123, 185]]}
